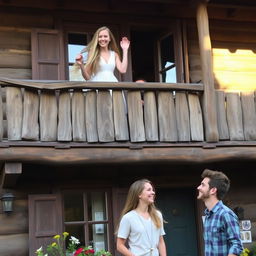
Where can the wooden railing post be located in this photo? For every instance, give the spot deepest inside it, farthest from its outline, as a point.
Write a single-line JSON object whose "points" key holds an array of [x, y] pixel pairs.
{"points": [[209, 100]]}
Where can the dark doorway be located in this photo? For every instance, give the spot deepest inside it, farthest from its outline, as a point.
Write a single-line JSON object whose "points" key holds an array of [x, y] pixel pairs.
{"points": [[177, 207], [143, 52]]}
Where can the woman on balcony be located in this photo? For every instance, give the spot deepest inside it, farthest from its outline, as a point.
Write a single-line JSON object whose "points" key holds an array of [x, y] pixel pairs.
{"points": [[141, 223], [103, 57]]}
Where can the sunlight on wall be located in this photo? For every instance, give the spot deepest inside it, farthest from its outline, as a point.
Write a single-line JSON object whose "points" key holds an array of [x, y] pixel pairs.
{"points": [[234, 71]]}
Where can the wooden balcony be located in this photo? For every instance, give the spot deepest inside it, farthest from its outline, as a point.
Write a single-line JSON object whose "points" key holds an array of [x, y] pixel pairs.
{"points": [[104, 114]]}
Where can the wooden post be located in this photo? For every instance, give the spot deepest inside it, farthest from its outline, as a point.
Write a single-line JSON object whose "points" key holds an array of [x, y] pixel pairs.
{"points": [[209, 101]]}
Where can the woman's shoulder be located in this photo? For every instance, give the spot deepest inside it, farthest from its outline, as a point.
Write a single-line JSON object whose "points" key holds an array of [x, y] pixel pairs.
{"points": [[129, 214], [159, 213]]}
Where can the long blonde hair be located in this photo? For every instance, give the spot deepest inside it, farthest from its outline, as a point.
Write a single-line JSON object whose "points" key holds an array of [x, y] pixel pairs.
{"points": [[132, 201], [93, 49]]}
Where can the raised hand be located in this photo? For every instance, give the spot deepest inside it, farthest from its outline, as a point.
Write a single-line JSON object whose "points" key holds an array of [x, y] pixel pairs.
{"points": [[125, 43], [79, 59]]}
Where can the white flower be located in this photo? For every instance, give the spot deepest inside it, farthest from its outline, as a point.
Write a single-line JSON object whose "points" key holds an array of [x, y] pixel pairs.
{"points": [[40, 249], [74, 240]]}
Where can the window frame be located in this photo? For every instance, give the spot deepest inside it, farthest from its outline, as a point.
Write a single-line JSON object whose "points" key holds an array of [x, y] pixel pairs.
{"points": [[176, 30], [86, 223]]}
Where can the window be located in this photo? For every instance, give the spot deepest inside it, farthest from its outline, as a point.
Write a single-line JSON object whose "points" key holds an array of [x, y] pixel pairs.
{"points": [[167, 60], [86, 217], [76, 43]]}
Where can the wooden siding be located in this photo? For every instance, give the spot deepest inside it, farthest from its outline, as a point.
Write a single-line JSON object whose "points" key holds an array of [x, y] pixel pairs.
{"points": [[233, 52]]}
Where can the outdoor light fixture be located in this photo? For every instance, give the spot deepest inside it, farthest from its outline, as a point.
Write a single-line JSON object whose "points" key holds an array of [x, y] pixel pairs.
{"points": [[7, 202]]}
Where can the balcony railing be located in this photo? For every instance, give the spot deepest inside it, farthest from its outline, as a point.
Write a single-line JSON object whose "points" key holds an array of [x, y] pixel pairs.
{"points": [[62, 111]]}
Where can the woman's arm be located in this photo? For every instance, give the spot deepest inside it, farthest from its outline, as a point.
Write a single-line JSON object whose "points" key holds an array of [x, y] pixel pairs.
{"points": [[86, 72], [122, 65], [120, 246], [161, 246]]}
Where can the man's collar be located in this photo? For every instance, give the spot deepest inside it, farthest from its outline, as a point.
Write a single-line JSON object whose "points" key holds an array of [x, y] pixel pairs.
{"points": [[214, 209]]}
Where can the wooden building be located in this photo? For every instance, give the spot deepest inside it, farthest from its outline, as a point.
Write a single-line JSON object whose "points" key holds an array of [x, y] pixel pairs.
{"points": [[68, 155]]}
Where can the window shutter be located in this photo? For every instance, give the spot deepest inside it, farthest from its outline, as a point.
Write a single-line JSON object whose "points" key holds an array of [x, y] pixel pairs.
{"points": [[118, 198], [47, 55], [45, 220]]}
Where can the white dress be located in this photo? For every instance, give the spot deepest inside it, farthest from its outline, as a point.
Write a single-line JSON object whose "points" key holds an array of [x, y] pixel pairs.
{"points": [[106, 69]]}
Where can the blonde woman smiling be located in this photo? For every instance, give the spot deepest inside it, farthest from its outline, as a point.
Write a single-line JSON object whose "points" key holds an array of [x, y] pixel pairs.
{"points": [[103, 57]]}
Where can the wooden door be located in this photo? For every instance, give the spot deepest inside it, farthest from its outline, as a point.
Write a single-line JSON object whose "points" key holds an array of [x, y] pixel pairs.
{"points": [[47, 55], [178, 210], [45, 220]]}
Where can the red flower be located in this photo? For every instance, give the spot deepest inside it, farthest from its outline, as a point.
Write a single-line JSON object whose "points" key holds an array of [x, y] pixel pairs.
{"points": [[78, 251], [91, 251]]}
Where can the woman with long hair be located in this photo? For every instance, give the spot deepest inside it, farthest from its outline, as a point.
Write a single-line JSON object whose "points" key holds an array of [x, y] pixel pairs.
{"points": [[103, 57], [141, 223]]}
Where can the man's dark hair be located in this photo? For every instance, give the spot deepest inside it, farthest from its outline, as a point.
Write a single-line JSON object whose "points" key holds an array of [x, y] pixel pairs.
{"points": [[217, 180]]}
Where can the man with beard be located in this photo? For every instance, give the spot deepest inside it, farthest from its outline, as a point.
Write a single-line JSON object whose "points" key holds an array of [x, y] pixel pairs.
{"points": [[221, 226]]}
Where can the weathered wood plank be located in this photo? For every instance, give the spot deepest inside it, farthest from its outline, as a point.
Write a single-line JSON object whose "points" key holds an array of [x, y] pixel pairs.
{"points": [[182, 116], [48, 116], [249, 115], [30, 125], [78, 116], [120, 116], [135, 116], [17, 222], [181, 153], [14, 245], [10, 174], [15, 59], [14, 39], [91, 116], [105, 123], [64, 117], [150, 115], [167, 117], [209, 101], [14, 110], [16, 73], [1, 116], [234, 116], [195, 118], [221, 115]]}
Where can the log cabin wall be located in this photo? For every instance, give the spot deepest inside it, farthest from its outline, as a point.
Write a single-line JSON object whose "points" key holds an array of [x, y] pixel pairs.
{"points": [[233, 51], [15, 43]]}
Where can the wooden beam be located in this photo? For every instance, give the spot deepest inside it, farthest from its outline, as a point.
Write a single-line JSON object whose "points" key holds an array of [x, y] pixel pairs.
{"points": [[65, 85], [209, 101], [114, 155], [10, 174]]}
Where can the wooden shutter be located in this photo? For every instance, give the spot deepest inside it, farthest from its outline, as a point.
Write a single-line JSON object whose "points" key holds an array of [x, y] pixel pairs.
{"points": [[119, 198], [47, 55], [45, 220]]}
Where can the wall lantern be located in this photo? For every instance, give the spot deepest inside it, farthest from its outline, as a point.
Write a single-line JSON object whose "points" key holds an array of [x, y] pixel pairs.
{"points": [[7, 202]]}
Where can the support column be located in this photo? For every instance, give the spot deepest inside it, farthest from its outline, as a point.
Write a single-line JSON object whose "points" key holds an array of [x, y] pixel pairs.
{"points": [[209, 101]]}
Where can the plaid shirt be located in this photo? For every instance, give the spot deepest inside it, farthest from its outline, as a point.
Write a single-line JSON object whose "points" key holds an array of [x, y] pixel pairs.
{"points": [[221, 232]]}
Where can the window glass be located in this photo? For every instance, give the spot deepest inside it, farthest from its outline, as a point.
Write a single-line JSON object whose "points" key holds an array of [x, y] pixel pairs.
{"points": [[96, 206], [73, 207], [76, 231], [168, 66], [98, 236], [76, 43]]}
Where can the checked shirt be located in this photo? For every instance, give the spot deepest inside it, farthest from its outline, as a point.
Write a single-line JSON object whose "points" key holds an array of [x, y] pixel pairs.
{"points": [[221, 232]]}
